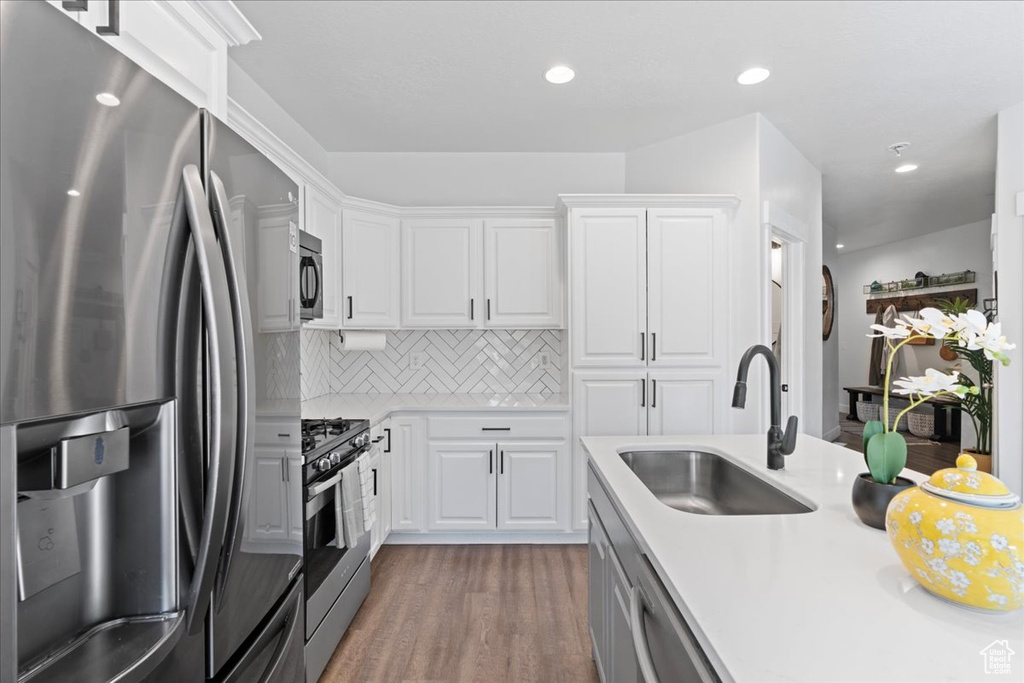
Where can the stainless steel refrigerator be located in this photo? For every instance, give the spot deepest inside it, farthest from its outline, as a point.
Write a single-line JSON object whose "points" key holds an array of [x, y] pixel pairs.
{"points": [[136, 374]]}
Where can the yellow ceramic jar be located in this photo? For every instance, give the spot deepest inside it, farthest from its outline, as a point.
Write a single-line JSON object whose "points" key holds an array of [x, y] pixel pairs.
{"points": [[961, 535]]}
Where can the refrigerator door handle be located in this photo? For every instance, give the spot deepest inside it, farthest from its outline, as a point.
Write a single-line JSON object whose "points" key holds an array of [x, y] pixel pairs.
{"points": [[195, 220], [244, 346]]}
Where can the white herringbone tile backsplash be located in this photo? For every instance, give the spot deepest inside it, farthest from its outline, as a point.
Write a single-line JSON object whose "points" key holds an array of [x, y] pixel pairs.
{"points": [[456, 362]]}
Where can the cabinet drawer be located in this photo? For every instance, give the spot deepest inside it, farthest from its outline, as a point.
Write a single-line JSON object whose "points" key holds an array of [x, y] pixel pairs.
{"points": [[499, 427], [284, 433]]}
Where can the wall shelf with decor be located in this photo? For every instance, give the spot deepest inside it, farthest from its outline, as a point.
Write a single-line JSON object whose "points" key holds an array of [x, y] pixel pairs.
{"points": [[913, 294]]}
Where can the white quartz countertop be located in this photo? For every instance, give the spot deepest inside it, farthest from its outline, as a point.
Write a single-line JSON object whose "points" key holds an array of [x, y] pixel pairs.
{"points": [[376, 407], [806, 597]]}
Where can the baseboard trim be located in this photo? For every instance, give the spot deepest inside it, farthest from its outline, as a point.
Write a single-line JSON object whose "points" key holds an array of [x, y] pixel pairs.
{"points": [[844, 408], [488, 538], [832, 434]]}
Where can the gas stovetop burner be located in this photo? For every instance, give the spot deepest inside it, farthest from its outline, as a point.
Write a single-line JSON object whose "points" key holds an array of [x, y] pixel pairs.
{"points": [[317, 433]]}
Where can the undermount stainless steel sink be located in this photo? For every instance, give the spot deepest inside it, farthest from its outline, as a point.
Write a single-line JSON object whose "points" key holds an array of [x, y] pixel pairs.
{"points": [[708, 484]]}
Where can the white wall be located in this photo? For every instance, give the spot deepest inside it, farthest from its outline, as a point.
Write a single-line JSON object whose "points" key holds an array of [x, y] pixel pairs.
{"points": [[1009, 260], [830, 347], [720, 159], [244, 91], [962, 248], [483, 179], [789, 181]]}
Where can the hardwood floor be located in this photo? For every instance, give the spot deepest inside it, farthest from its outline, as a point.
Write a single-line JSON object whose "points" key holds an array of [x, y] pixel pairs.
{"points": [[471, 613], [923, 455]]}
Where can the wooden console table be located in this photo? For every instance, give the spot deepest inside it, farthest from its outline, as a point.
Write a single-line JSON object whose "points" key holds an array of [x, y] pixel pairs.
{"points": [[941, 405]]}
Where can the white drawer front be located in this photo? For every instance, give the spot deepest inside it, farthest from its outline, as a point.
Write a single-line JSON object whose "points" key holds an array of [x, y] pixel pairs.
{"points": [[498, 427], [277, 433]]}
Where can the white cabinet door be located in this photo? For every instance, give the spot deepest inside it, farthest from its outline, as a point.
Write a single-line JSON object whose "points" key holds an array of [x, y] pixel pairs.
{"points": [[370, 270], [609, 287], [686, 402], [375, 538], [522, 273], [296, 504], [278, 294], [462, 485], [268, 498], [441, 272], [323, 219], [606, 403], [686, 286], [531, 479], [405, 442]]}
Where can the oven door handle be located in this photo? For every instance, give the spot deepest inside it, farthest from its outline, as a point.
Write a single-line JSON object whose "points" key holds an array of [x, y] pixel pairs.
{"points": [[316, 489]]}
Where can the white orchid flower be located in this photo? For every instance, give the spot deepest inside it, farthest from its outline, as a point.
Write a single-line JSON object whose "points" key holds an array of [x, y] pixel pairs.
{"points": [[900, 331], [934, 323], [933, 382], [994, 342]]}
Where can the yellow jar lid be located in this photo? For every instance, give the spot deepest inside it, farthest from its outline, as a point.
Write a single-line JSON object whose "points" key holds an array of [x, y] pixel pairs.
{"points": [[966, 484]]}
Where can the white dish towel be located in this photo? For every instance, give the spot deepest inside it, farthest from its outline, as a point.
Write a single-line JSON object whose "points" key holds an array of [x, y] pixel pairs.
{"points": [[369, 500], [352, 504]]}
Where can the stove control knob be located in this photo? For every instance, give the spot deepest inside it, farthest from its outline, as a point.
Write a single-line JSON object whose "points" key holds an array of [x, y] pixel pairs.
{"points": [[364, 438], [335, 458], [323, 464]]}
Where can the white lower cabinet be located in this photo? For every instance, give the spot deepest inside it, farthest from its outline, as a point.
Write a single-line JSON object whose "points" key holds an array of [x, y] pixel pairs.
{"points": [[462, 486], [405, 442], [481, 471], [274, 514], [530, 479]]}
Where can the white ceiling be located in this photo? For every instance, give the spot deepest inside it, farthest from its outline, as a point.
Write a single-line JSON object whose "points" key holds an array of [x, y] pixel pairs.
{"points": [[848, 79]]}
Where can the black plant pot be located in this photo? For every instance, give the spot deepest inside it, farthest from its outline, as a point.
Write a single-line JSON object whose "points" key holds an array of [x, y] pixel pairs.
{"points": [[870, 499]]}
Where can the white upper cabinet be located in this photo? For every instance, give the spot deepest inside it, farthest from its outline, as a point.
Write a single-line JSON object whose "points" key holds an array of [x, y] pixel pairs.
{"points": [[323, 220], [277, 288], [441, 272], [686, 284], [609, 286], [522, 273], [370, 270]]}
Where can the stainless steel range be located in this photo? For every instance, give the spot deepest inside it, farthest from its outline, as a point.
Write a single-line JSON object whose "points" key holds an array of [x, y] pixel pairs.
{"points": [[337, 573]]}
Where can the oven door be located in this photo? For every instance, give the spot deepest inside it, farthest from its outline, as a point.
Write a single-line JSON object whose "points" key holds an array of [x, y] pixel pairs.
{"points": [[329, 567], [311, 281]]}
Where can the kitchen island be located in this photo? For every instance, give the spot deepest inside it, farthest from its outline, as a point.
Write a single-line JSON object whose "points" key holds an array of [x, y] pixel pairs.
{"points": [[796, 597]]}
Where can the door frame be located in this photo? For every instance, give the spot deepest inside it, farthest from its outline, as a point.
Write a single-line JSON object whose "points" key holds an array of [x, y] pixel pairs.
{"points": [[778, 224]]}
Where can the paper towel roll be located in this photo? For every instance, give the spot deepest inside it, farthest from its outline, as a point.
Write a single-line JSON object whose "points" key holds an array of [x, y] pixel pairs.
{"points": [[363, 341]]}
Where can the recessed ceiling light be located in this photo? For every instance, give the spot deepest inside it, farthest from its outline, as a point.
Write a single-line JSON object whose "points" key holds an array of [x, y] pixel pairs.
{"points": [[559, 74], [74, 193], [107, 99], [906, 168], [840, 246], [753, 75]]}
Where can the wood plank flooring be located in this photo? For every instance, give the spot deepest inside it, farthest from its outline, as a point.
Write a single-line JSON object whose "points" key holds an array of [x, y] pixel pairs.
{"points": [[923, 455], [471, 613]]}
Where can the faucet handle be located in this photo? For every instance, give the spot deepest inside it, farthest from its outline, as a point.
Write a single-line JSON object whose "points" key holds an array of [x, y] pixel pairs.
{"points": [[789, 437]]}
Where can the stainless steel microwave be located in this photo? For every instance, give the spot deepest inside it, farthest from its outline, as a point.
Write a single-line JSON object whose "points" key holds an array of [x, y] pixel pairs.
{"points": [[311, 277]]}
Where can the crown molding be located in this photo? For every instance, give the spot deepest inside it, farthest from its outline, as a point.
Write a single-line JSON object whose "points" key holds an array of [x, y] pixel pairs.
{"points": [[477, 212], [227, 20], [572, 201]]}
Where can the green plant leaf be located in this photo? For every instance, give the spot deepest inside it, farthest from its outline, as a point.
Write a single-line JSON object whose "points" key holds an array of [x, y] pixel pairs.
{"points": [[871, 428], [887, 456]]}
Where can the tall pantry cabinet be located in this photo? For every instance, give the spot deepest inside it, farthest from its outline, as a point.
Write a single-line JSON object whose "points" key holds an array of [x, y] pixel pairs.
{"points": [[648, 292]]}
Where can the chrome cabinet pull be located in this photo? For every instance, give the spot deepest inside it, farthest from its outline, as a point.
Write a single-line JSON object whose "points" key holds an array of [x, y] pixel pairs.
{"points": [[643, 392], [490, 459], [654, 346], [643, 346], [488, 309], [471, 309], [387, 449], [350, 308], [495, 429], [654, 393], [502, 470]]}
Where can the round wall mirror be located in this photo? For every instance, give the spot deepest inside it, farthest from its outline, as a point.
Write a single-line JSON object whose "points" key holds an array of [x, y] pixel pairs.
{"points": [[828, 303]]}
